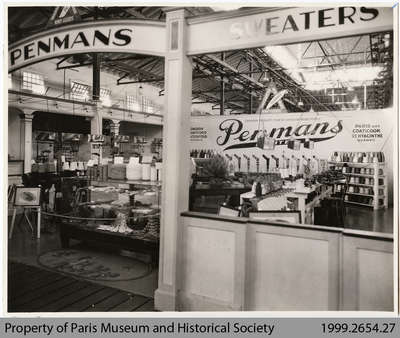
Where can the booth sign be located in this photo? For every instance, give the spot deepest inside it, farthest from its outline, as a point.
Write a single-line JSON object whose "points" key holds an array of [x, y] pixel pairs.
{"points": [[262, 27], [120, 36], [360, 131]]}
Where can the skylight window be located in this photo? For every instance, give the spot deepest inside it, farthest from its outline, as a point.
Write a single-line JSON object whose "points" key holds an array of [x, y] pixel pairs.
{"points": [[33, 82], [132, 103], [105, 97], [79, 91]]}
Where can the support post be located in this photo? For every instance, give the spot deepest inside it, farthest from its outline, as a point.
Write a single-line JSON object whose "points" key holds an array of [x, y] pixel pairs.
{"points": [[176, 166], [26, 139], [96, 123], [251, 94], [96, 128], [96, 77], [114, 131], [222, 89]]}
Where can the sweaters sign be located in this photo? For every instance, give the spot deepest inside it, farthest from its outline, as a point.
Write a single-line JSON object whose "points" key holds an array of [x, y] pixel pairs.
{"points": [[330, 131], [256, 27]]}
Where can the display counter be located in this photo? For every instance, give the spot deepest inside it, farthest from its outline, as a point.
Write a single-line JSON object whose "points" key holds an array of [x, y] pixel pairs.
{"points": [[139, 240], [263, 266], [284, 196], [118, 213], [137, 183]]}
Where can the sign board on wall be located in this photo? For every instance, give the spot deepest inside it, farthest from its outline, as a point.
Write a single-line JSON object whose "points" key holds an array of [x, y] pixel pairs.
{"points": [[356, 131], [261, 27], [122, 36]]}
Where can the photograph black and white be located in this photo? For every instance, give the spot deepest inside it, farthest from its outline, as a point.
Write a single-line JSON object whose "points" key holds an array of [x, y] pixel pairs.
{"points": [[201, 158]]}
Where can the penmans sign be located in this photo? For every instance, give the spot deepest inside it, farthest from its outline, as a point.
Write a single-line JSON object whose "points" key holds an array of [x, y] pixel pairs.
{"points": [[356, 131], [122, 36]]}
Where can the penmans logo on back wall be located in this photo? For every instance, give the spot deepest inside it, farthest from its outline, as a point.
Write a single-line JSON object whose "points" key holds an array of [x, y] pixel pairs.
{"points": [[353, 131]]}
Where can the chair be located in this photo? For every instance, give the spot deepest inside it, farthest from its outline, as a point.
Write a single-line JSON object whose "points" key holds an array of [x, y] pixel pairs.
{"points": [[333, 211]]}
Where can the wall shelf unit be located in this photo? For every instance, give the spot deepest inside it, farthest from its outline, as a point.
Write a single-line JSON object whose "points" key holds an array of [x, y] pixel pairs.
{"points": [[367, 183]]}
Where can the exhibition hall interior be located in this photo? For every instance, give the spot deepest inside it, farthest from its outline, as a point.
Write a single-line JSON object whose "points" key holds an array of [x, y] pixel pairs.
{"points": [[201, 159]]}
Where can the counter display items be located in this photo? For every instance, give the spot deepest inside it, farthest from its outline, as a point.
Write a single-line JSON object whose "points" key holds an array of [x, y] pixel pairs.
{"points": [[199, 159]]}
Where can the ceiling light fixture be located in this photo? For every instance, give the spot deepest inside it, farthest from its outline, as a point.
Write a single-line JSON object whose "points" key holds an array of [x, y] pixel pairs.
{"points": [[265, 78], [227, 7]]}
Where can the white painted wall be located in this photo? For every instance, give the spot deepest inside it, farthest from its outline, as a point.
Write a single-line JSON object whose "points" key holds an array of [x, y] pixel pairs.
{"points": [[367, 274], [253, 266], [215, 251], [14, 135]]}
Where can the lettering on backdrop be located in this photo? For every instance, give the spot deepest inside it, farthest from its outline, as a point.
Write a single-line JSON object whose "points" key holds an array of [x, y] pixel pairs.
{"points": [[234, 135], [303, 21], [68, 41]]}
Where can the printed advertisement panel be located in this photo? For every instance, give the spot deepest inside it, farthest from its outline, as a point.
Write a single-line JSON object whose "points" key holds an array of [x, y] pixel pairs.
{"points": [[356, 131]]}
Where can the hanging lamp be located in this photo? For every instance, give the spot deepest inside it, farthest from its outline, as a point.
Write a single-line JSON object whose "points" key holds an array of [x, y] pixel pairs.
{"points": [[308, 144], [264, 141]]}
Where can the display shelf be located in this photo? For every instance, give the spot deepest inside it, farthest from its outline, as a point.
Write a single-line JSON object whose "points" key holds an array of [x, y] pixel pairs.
{"points": [[358, 203], [364, 175], [359, 194], [376, 175], [366, 185], [357, 164]]}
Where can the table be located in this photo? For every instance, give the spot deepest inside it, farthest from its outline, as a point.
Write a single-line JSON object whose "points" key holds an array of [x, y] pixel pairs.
{"points": [[224, 191], [306, 200], [306, 208]]}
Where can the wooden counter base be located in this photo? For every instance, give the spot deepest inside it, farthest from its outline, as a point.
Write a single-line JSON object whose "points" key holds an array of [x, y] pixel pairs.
{"points": [[115, 239]]}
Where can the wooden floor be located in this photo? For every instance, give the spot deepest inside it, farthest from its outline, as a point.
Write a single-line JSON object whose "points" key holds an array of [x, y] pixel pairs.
{"points": [[31, 289]]}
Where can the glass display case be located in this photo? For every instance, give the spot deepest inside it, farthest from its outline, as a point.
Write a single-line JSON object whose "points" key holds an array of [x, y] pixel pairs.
{"points": [[122, 214]]}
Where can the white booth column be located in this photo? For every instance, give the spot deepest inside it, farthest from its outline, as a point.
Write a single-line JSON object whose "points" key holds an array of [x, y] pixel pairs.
{"points": [[176, 161], [114, 127], [96, 123], [26, 139]]}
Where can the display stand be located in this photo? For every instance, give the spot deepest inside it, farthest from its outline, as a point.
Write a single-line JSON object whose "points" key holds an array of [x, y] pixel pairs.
{"points": [[26, 211]]}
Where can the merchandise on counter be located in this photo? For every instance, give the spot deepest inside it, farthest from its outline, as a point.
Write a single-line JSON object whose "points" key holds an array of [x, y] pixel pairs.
{"points": [[153, 173], [117, 171], [274, 164], [314, 165], [118, 160], [103, 194], [239, 161], [146, 171], [293, 167], [159, 167], [247, 162], [134, 169], [257, 159]]}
